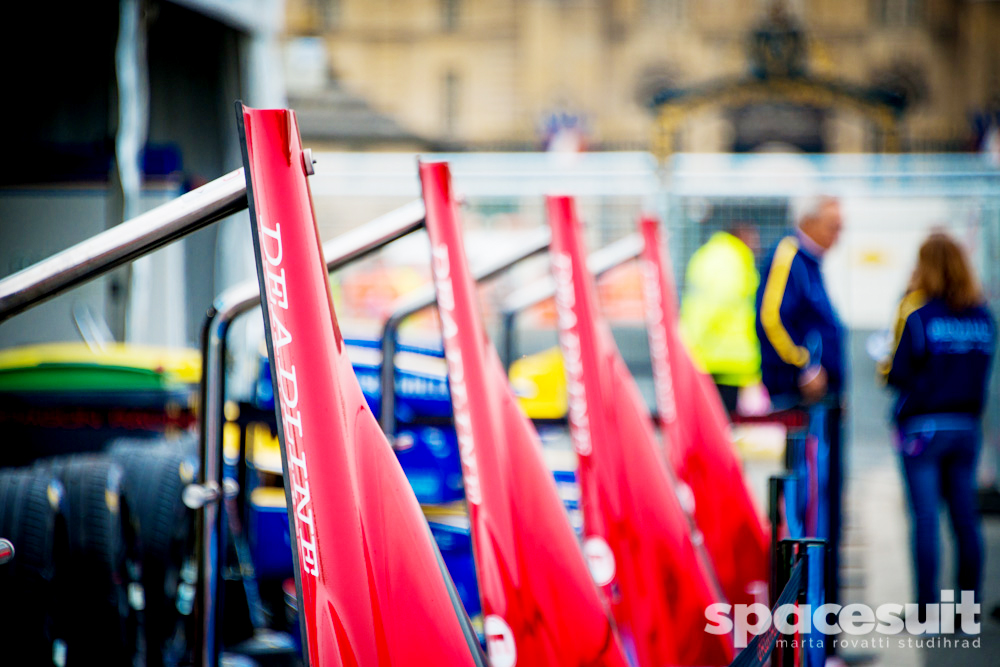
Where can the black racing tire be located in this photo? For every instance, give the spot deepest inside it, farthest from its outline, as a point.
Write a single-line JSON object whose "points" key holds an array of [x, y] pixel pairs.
{"points": [[103, 561], [32, 517], [155, 477]]}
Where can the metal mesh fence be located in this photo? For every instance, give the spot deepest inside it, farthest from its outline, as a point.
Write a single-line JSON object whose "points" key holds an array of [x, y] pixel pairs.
{"points": [[890, 203]]}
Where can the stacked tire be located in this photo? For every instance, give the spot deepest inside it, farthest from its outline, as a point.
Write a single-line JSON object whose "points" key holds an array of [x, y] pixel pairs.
{"points": [[155, 477], [100, 584], [34, 621]]}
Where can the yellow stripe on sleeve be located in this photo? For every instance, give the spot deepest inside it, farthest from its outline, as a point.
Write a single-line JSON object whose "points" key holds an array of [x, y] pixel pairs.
{"points": [[770, 306], [911, 302]]}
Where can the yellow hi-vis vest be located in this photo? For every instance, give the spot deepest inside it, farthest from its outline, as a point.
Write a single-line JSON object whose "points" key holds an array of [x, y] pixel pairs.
{"points": [[717, 311]]}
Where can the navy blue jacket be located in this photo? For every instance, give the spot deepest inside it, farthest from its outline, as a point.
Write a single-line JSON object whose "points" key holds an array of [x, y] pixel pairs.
{"points": [[941, 363], [796, 323]]}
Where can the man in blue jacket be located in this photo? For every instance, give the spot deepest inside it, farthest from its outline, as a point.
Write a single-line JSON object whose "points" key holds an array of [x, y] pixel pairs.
{"points": [[802, 343], [802, 340]]}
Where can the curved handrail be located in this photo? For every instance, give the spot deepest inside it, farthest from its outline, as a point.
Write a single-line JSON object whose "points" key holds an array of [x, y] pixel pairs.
{"points": [[122, 243], [425, 298], [599, 262]]}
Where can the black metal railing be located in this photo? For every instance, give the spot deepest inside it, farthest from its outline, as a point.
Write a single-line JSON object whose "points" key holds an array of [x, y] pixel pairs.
{"points": [[798, 575]]}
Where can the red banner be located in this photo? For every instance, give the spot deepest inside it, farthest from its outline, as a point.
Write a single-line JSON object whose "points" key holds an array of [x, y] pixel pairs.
{"points": [[372, 588], [541, 607], [658, 586], [696, 431]]}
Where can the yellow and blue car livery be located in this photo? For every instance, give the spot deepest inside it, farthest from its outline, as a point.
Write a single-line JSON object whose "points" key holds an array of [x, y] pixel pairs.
{"points": [[797, 324], [941, 361]]}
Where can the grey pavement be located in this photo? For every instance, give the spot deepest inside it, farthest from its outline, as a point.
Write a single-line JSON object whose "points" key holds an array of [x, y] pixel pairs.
{"points": [[877, 566], [875, 558], [876, 545]]}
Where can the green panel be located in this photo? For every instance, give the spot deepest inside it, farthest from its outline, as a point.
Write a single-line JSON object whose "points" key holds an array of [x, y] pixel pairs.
{"points": [[80, 377]]}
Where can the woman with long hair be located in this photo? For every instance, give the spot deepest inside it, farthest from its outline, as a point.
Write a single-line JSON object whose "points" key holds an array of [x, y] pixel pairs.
{"points": [[939, 368]]}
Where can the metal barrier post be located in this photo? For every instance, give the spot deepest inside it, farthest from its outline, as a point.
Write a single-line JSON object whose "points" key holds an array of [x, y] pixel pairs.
{"points": [[794, 560], [777, 487], [815, 655], [790, 551], [784, 656], [795, 443], [508, 338]]}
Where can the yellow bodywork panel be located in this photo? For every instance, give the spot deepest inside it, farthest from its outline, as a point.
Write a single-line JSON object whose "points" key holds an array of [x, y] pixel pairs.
{"points": [[180, 365], [539, 381]]}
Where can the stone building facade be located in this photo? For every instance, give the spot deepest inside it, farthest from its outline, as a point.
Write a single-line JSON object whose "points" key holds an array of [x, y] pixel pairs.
{"points": [[522, 74]]}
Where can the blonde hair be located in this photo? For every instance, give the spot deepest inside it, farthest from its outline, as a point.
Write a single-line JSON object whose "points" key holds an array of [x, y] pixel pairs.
{"points": [[943, 272]]}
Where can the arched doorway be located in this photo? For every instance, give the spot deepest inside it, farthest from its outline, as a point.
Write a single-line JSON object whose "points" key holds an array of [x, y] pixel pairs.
{"points": [[778, 100]]}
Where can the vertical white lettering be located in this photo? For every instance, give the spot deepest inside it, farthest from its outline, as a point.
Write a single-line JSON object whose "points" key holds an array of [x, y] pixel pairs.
{"points": [[569, 339], [309, 559], [281, 335], [299, 462], [288, 387], [277, 292], [302, 510], [273, 260], [292, 419], [658, 348], [441, 269]]}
